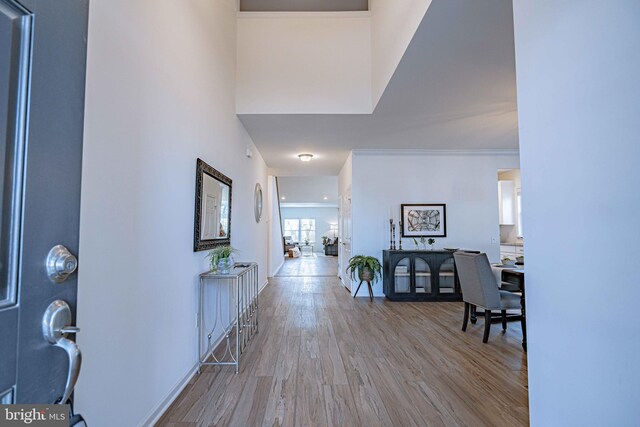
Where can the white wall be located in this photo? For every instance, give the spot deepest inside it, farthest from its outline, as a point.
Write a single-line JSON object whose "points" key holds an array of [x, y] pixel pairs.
{"points": [[322, 62], [160, 93], [345, 177], [345, 182], [577, 65], [324, 216], [276, 248], [465, 182], [304, 62], [393, 24]]}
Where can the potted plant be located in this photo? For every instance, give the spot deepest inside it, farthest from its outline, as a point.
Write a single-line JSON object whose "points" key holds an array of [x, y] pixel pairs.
{"points": [[431, 241], [324, 240], [221, 259], [422, 244], [509, 262], [367, 268]]}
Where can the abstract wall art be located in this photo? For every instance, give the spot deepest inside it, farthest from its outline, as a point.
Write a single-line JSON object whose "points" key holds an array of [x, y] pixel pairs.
{"points": [[424, 220]]}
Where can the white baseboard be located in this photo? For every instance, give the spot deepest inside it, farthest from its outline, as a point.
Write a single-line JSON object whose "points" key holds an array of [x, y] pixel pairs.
{"points": [[175, 391], [155, 415], [264, 285], [275, 273]]}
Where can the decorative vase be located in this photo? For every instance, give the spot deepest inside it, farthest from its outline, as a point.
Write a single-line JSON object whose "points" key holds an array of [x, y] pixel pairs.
{"points": [[224, 265]]}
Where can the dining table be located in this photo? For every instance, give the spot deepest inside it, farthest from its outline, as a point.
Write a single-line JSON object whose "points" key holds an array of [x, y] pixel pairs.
{"points": [[511, 279]]}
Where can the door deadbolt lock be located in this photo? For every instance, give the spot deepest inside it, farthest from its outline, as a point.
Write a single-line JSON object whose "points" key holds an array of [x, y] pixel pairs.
{"points": [[60, 264]]}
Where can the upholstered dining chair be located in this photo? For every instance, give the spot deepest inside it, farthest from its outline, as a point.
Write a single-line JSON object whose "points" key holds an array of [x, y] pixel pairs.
{"points": [[480, 289]]}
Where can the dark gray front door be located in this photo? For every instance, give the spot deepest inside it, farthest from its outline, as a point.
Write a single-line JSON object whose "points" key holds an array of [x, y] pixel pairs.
{"points": [[42, 75]]}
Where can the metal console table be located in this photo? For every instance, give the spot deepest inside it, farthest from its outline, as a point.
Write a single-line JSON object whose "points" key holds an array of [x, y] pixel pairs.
{"points": [[241, 285]]}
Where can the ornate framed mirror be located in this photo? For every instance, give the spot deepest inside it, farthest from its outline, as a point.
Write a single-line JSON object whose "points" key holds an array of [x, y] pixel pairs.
{"points": [[257, 202], [213, 208]]}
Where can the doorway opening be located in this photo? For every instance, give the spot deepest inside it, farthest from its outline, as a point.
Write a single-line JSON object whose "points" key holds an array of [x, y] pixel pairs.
{"points": [[510, 216], [309, 224]]}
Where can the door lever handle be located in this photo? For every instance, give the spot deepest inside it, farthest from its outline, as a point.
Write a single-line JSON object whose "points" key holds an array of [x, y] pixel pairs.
{"points": [[55, 328], [75, 360]]}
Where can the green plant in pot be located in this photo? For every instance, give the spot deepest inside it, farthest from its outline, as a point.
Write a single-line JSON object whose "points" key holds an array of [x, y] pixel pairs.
{"points": [[367, 268], [221, 259], [431, 242]]}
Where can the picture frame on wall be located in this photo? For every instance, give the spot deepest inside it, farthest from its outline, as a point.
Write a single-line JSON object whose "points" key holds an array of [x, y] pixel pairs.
{"points": [[424, 220]]}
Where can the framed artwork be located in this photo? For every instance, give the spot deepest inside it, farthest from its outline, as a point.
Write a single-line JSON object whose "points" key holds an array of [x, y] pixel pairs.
{"points": [[424, 220]]}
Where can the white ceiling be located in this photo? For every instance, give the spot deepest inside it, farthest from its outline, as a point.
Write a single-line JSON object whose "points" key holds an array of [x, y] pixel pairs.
{"points": [[309, 189], [453, 89], [302, 5]]}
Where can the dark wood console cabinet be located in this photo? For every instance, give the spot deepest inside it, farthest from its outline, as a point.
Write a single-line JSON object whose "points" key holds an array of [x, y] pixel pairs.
{"points": [[414, 275]]}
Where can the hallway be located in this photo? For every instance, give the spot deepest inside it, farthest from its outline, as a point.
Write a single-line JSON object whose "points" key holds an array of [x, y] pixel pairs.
{"points": [[318, 265], [324, 358]]}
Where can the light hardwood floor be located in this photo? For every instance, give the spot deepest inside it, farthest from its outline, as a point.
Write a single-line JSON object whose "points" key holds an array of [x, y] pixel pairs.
{"points": [[323, 358], [317, 265]]}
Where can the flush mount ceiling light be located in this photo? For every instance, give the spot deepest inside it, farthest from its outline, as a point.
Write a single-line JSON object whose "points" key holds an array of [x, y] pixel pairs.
{"points": [[305, 157]]}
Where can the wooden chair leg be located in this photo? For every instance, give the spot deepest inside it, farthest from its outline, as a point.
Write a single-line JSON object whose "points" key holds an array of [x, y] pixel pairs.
{"points": [[354, 295], [465, 319], [504, 320], [474, 317], [487, 325], [370, 291]]}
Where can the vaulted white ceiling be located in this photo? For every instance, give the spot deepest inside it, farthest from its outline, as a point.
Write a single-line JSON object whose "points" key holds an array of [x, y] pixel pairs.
{"points": [[453, 89]]}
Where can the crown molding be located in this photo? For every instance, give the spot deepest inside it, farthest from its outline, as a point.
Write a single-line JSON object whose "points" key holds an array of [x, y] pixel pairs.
{"points": [[435, 152]]}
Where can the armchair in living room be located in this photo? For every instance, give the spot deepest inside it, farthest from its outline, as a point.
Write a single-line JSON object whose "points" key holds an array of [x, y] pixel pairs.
{"points": [[287, 243], [331, 248]]}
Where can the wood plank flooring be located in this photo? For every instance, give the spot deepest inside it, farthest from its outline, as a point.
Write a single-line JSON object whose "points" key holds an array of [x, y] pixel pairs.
{"points": [[317, 265], [322, 358]]}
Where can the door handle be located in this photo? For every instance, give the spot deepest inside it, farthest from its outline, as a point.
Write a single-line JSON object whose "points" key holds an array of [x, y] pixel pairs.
{"points": [[55, 328], [75, 360]]}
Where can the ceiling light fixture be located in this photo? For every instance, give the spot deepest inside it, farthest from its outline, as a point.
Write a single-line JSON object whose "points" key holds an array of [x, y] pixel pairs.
{"points": [[325, 197], [305, 157], [283, 198]]}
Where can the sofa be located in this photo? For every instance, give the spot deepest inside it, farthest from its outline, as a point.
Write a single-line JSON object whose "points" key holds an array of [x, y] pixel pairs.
{"points": [[331, 247]]}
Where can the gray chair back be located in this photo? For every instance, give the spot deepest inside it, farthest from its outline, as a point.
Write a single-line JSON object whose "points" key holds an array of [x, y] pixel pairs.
{"points": [[479, 285]]}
